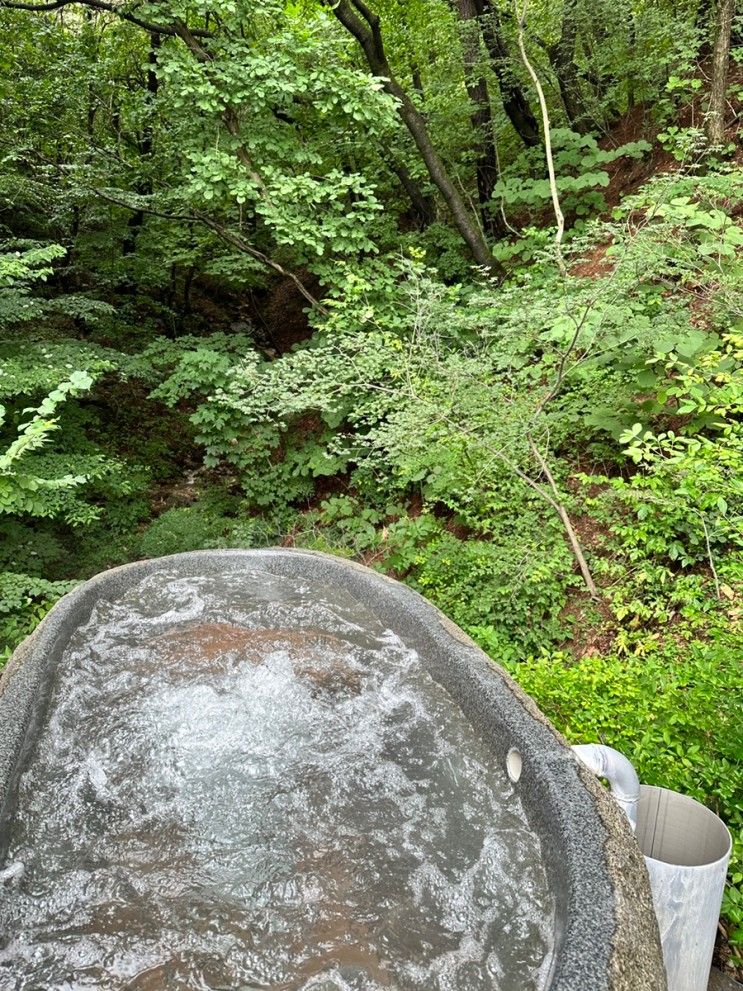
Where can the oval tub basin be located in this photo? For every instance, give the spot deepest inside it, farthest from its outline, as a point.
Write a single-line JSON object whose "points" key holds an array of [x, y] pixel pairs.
{"points": [[276, 769]]}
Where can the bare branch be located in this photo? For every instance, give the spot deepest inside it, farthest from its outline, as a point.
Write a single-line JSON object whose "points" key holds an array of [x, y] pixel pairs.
{"points": [[224, 234], [566, 521], [108, 8], [559, 217], [710, 557], [551, 497], [562, 368], [242, 245]]}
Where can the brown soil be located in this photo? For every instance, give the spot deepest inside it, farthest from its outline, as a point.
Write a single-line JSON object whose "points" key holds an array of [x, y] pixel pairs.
{"points": [[460, 530], [592, 534], [593, 625], [595, 264], [627, 174], [273, 315], [174, 494], [284, 311]]}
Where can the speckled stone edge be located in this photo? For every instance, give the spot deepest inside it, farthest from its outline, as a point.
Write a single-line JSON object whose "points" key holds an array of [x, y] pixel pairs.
{"points": [[606, 932]]}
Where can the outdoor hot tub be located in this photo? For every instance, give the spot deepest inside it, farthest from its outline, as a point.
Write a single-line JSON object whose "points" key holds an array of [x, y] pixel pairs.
{"points": [[277, 769]]}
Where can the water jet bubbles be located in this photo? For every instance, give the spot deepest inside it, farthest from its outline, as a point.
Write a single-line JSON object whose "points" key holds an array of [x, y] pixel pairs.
{"points": [[246, 781]]}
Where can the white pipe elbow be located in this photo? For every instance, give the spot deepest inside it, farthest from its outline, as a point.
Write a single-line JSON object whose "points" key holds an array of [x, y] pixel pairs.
{"points": [[608, 763]]}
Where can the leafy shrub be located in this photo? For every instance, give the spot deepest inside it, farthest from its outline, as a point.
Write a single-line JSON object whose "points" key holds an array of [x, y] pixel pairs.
{"points": [[510, 590], [24, 601], [685, 502], [23, 489], [216, 519], [35, 548], [186, 528], [578, 160], [342, 523]]}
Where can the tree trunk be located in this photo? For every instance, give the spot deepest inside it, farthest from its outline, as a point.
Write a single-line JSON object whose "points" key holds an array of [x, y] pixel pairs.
{"points": [[423, 206], [144, 148], [630, 79], [364, 25], [718, 90], [562, 57], [515, 103], [481, 117]]}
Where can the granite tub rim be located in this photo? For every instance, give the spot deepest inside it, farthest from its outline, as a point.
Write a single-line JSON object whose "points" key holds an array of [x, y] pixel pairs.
{"points": [[606, 934]]}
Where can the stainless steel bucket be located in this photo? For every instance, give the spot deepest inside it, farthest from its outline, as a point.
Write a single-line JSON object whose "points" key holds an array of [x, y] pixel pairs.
{"points": [[686, 848]]}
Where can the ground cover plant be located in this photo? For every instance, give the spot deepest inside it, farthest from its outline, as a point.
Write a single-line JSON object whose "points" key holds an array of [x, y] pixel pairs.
{"points": [[454, 289]]}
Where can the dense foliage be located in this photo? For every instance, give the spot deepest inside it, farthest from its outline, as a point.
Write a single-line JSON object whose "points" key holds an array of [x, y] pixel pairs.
{"points": [[281, 273]]}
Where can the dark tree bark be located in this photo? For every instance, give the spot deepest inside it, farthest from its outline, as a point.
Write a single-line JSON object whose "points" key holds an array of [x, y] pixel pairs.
{"points": [[144, 149], [417, 82], [630, 79], [481, 117], [718, 88], [562, 57], [364, 25], [103, 6], [423, 206], [515, 103]]}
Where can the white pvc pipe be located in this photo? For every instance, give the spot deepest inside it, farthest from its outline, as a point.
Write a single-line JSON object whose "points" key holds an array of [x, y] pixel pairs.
{"points": [[606, 762]]}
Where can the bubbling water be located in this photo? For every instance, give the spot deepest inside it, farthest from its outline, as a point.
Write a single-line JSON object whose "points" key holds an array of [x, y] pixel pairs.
{"points": [[246, 782]]}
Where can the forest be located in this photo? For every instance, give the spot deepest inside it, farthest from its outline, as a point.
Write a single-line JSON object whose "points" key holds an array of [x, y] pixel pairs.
{"points": [[453, 288]]}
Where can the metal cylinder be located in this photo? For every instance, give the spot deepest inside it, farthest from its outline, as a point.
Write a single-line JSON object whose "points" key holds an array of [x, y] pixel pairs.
{"points": [[686, 848]]}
